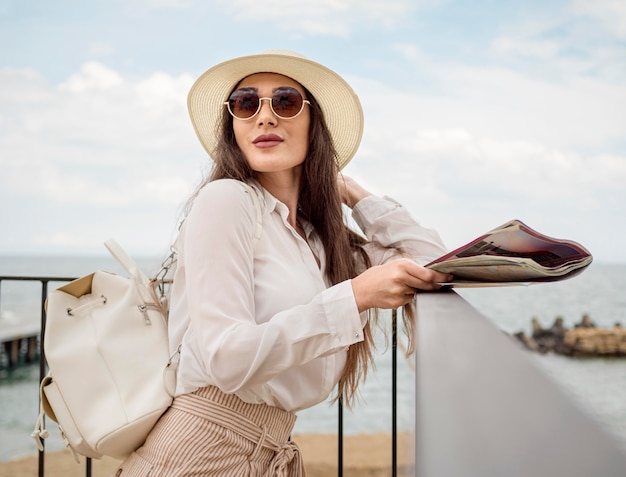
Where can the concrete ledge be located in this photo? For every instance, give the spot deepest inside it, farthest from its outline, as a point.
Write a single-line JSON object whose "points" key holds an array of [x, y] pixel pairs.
{"points": [[484, 409]]}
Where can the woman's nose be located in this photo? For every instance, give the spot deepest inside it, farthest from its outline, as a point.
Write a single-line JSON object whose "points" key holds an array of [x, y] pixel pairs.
{"points": [[266, 115]]}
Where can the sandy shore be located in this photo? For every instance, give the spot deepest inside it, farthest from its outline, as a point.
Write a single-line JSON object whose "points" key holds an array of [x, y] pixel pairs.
{"points": [[366, 455]]}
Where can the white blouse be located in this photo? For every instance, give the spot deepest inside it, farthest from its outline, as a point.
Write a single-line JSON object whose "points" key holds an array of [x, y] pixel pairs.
{"points": [[259, 318]]}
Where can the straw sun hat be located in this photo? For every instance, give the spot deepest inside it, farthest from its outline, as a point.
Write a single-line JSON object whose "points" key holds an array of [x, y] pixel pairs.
{"points": [[340, 105]]}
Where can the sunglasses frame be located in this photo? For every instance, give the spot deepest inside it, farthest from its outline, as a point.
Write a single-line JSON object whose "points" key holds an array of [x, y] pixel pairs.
{"points": [[304, 101]]}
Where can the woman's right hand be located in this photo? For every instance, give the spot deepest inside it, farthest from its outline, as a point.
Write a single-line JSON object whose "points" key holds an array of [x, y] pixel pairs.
{"points": [[394, 284], [350, 191]]}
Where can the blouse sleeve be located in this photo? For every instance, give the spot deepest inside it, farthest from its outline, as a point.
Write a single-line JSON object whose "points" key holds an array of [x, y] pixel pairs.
{"points": [[234, 350], [391, 230]]}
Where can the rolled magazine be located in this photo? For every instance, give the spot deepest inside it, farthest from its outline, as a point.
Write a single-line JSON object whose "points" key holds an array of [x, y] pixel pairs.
{"points": [[513, 254]]}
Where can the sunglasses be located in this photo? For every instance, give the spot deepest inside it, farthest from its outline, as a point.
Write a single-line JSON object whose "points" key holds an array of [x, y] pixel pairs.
{"points": [[285, 103]]}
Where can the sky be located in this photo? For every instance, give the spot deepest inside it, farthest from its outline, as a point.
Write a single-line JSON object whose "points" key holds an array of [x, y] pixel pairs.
{"points": [[476, 112]]}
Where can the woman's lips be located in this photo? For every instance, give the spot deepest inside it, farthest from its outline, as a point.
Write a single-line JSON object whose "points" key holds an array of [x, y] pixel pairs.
{"points": [[267, 140]]}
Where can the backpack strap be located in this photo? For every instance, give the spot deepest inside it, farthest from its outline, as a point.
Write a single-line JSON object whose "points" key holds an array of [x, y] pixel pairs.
{"points": [[252, 191], [144, 287], [126, 261]]}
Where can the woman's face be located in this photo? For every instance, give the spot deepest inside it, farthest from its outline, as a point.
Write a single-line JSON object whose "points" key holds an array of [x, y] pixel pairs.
{"points": [[271, 144]]}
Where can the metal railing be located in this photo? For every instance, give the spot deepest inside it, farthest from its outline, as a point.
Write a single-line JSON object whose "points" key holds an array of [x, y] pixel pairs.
{"points": [[482, 407], [45, 281]]}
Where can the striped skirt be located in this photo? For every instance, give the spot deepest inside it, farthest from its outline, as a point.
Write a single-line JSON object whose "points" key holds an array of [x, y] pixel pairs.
{"points": [[209, 433]]}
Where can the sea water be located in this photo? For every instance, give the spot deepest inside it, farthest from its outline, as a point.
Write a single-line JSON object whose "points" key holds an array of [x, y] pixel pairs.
{"points": [[598, 386]]}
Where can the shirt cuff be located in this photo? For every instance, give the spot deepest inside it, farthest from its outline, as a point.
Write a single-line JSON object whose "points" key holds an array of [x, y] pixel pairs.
{"points": [[344, 320]]}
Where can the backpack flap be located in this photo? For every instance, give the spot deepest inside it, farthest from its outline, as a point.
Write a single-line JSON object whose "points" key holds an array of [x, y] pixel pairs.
{"points": [[45, 404], [78, 287], [51, 398]]}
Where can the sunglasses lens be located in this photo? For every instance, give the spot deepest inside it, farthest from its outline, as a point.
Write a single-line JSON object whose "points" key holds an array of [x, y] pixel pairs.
{"points": [[287, 102], [244, 104]]}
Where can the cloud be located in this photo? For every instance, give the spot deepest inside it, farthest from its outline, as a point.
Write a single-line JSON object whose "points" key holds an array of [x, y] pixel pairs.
{"points": [[161, 4], [98, 109], [97, 144], [528, 130], [611, 14], [93, 76], [540, 49], [487, 144], [586, 37], [564, 110], [321, 17], [463, 184]]}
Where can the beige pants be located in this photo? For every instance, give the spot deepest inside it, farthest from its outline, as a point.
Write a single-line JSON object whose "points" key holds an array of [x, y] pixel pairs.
{"points": [[209, 433]]}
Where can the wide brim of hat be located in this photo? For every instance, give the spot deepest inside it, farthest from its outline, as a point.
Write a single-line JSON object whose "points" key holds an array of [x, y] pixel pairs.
{"points": [[339, 103]]}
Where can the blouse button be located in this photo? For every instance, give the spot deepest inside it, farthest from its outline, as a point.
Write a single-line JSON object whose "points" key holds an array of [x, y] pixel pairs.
{"points": [[356, 335]]}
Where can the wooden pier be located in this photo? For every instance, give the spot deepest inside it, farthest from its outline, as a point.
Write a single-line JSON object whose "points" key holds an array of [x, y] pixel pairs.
{"points": [[20, 340], [20, 343]]}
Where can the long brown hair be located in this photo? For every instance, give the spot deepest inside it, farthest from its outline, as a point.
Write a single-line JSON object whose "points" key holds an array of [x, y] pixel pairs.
{"points": [[320, 203]]}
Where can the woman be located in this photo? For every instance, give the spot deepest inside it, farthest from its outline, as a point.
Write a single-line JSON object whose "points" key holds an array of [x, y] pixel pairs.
{"points": [[272, 291]]}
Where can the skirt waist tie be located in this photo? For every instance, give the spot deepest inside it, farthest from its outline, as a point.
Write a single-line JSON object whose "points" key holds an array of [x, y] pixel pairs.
{"points": [[287, 460]]}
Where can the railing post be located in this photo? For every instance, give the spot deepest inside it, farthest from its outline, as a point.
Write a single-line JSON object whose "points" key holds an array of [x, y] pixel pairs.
{"points": [[394, 393], [340, 437], [42, 369]]}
